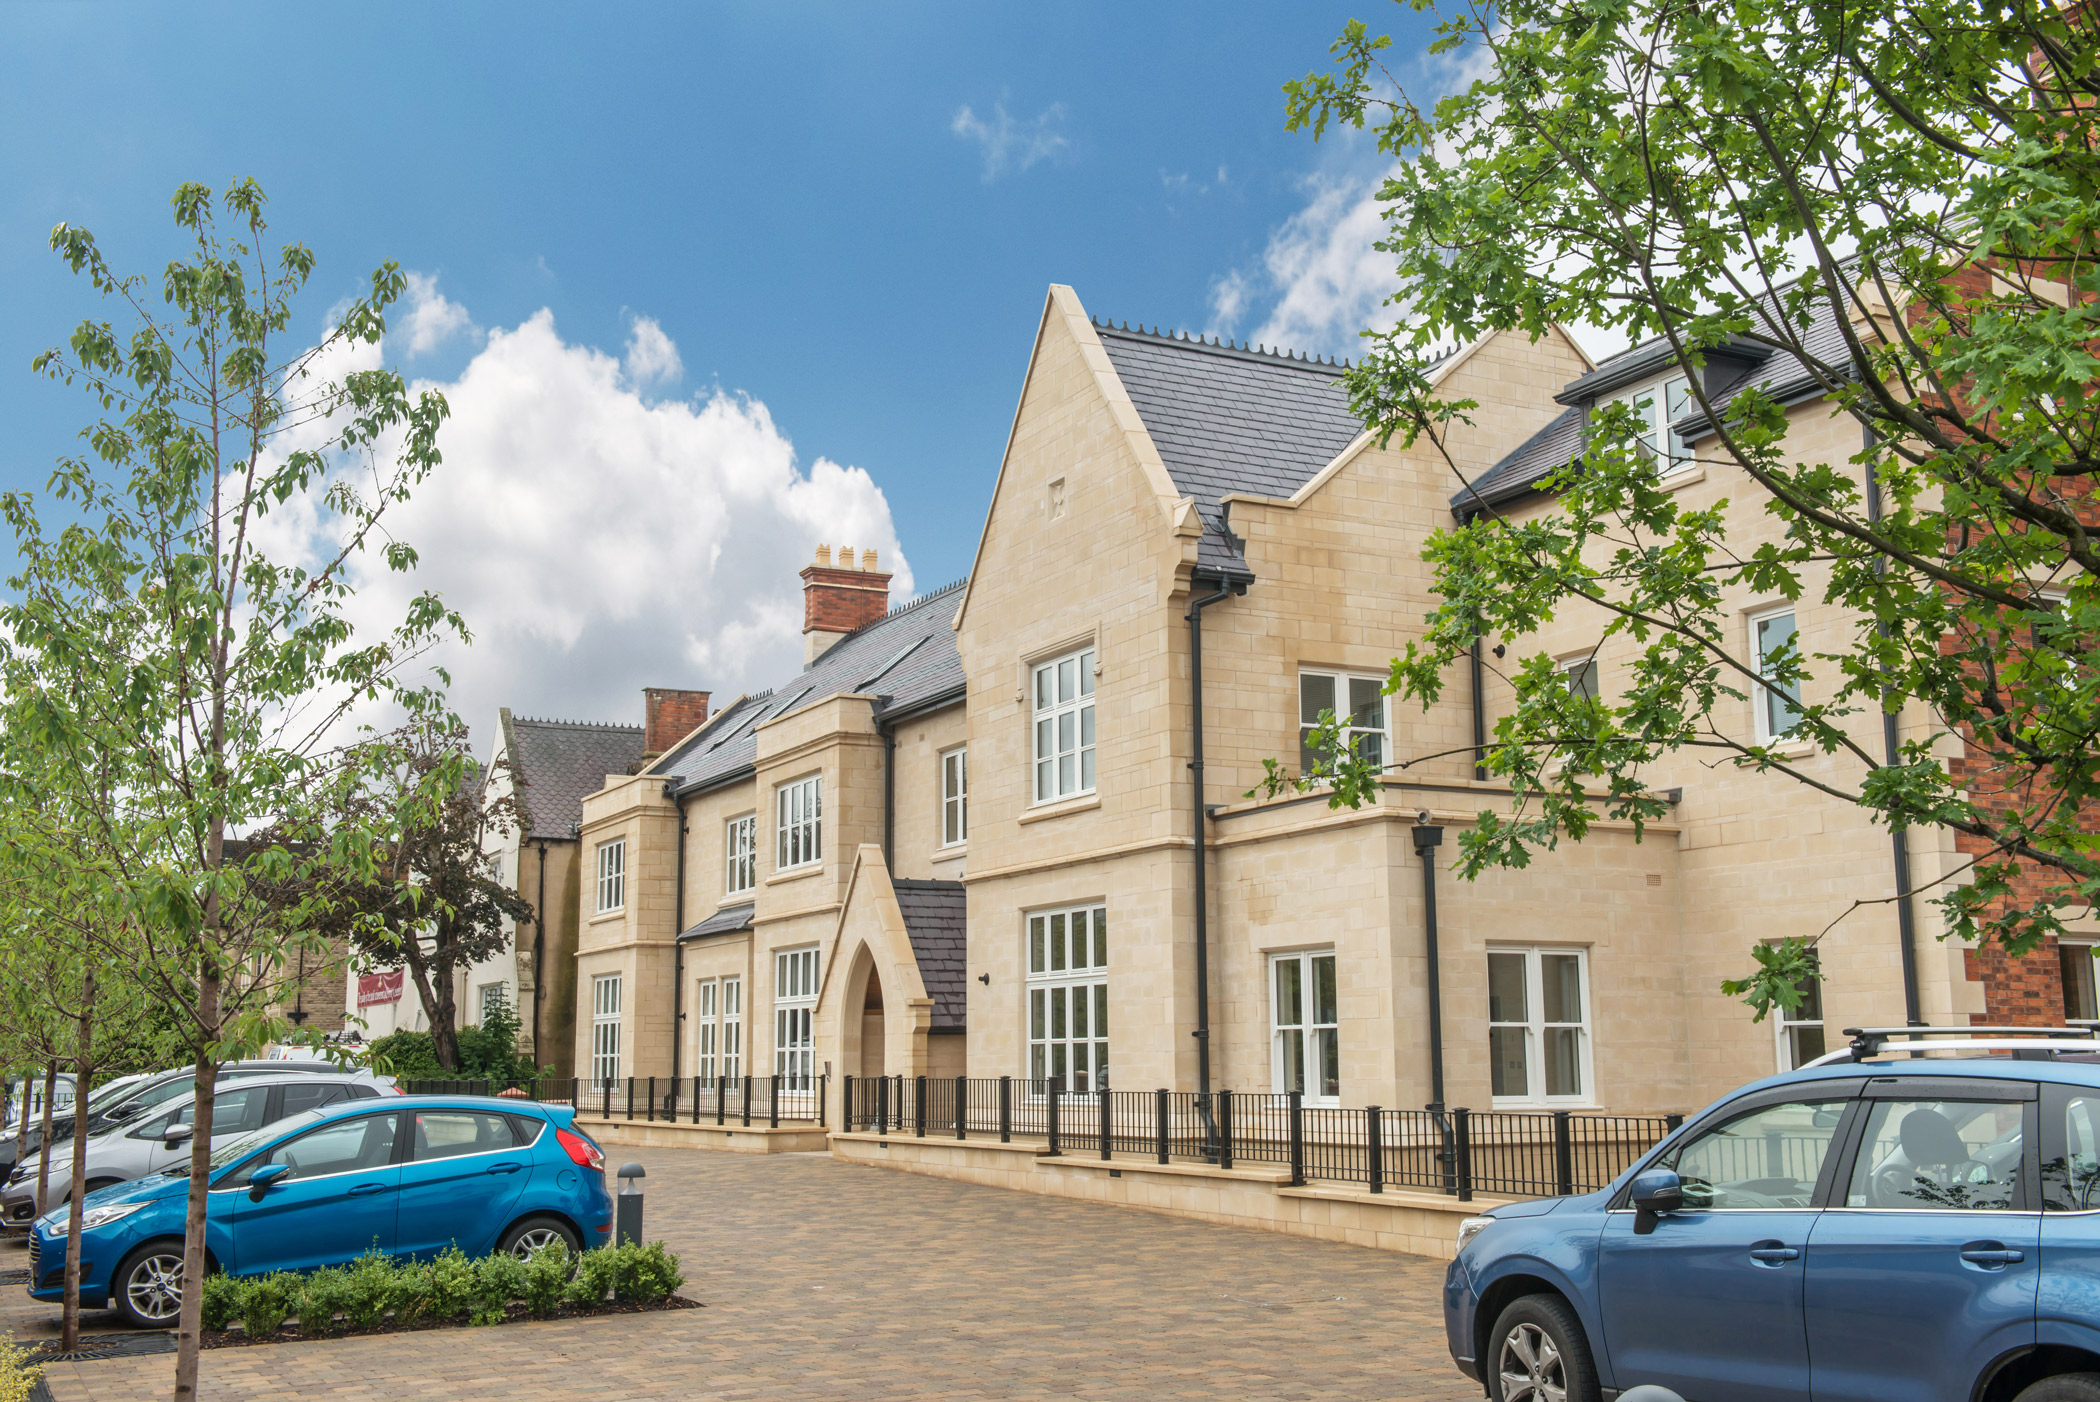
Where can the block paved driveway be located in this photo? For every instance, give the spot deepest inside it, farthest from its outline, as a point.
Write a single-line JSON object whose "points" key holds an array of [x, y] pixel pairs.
{"points": [[828, 1280]]}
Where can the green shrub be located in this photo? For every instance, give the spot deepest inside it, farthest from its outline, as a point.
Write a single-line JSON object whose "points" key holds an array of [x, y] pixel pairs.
{"points": [[369, 1294], [648, 1274], [267, 1303], [547, 1278], [499, 1279], [407, 1055], [454, 1286], [321, 1295], [409, 1292], [596, 1273], [225, 1296]]}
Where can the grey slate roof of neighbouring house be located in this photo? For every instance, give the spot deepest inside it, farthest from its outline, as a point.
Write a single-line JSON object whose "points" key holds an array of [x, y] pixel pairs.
{"points": [[727, 920], [557, 762], [1228, 419], [908, 658], [935, 919]]}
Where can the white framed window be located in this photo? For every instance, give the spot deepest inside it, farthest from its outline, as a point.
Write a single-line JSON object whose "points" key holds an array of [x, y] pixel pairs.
{"points": [[605, 1029], [1800, 1029], [1538, 1026], [1064, 726], [740, 842], [1357, 701], [1580, 674], [1776, 703], [612, 875], [800, 822], [1657, 406], [2076, 962], [955, 797], [1304, 1031], [794, 1007], [733, 1028], [707, 1036], [488, 998], [1068, 997]]}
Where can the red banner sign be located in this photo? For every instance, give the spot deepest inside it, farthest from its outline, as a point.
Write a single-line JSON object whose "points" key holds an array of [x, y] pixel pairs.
{"points": [[379, 988]]}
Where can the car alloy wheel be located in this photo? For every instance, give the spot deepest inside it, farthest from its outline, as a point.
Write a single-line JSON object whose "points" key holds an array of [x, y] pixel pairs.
{"points": [[534, 1239], [154, 1287], [1531, 1367]]}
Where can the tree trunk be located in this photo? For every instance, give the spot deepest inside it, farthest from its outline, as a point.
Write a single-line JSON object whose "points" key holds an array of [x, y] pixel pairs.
{"points": [[434, 991], [22, 1126], [43, 1153], [190, 1320], [83, 1066]]}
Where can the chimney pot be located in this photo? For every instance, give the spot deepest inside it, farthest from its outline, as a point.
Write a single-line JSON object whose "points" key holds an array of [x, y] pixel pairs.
{"points": [[867, 561], [845, 557], [824, 555]]}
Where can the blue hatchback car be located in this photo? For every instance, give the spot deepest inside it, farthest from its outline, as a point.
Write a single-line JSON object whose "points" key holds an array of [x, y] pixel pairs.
{"points": [[407, 1176], [1913, 1230]]}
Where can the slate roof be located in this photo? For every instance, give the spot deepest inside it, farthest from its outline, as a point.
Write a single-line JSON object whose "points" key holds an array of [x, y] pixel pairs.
{"points": [[1229, 419], [557, 762], [727, 920], [1780, 373], [908, 658], [934, 918]]}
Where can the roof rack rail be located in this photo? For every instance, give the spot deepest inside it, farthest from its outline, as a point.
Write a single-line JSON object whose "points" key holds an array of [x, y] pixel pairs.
{"points": [[1869, 1041], [2022, 1049]]}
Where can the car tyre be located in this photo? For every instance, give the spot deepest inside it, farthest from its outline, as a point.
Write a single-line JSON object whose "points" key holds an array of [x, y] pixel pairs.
{"points": [[1537, 1353], [2064, 1387], [534, 1233], [147, 1287]]}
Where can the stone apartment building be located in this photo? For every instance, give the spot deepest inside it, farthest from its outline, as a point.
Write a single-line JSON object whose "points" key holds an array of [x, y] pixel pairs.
{"points": [[965, 837]]}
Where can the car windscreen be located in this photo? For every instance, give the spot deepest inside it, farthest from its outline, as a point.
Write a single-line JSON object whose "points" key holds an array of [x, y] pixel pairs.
{"points": [[256, 1139]]}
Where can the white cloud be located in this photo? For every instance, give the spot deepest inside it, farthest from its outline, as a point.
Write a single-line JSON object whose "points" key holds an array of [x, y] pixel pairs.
{"points": [[1320, 275], [432, 318], [597, 542], [651, 357], [1012, 146]]}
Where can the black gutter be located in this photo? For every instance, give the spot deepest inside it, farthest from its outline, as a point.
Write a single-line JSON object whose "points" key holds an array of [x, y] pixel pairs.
{"points": [[1428, 837], [539, 954], [1198, 603], [677, 944], [1899, 838]]}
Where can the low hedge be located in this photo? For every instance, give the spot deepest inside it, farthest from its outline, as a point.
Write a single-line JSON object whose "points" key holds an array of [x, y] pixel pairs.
{"points": [[453, 1288]]}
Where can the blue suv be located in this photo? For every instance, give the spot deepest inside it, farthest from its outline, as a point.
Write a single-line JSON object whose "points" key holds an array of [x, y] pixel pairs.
{"points": [[408, 1177], [1893, 1230]]}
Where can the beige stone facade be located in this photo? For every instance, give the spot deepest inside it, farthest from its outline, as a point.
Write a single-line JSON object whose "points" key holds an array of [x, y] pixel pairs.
{"points": [[1111, 513]]}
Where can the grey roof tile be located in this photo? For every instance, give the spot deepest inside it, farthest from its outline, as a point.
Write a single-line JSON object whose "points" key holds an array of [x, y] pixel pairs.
{"points": [[727, 920], [934, 917], [557, 762], [907, 657]]}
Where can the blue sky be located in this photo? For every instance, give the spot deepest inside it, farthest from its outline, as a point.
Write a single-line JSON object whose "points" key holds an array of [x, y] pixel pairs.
{"points": [[842, 216]]}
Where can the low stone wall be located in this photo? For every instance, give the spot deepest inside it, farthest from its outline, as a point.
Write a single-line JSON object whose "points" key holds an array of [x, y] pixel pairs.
{"points": [[660, 1134], [1424, 1224]]}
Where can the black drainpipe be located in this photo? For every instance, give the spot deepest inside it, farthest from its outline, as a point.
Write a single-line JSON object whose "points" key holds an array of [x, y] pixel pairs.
{"points": [[1899, 838], [1198, 603], [889, 790], [1428, 837], [1480, 725], [539, 953], [677, 944]]}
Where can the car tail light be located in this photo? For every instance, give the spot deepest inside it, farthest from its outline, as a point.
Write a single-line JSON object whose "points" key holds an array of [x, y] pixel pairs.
{"points": [[584, 1152]]}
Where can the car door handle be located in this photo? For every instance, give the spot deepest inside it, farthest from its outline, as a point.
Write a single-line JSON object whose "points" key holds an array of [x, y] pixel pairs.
{"points": [[1771, 1253], [1991, 1253], [364, 1190], [504, 1167]]}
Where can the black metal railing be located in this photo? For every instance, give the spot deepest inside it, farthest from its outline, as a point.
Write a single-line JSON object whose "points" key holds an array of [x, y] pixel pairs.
{"points": [[719, 1100], [1457, 1152]]}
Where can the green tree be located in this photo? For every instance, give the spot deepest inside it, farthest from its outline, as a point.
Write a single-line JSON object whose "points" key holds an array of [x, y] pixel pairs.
{"points": [[1924, 174], [222, 673]]}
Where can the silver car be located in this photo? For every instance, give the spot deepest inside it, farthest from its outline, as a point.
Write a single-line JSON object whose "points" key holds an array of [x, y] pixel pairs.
{"points": [[160, 1138]]}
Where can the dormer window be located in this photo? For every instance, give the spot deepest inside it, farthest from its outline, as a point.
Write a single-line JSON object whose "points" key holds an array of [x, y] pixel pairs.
{"points": [[1657, 405]]}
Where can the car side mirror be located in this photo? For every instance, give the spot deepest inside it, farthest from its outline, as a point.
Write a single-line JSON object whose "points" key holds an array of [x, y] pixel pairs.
{"points": [[176, 1134], [259, 1181], [1655, 1192]]}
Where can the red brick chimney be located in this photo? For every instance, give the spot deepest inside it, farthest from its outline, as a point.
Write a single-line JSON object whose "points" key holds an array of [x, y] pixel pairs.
{"points": [[836, 599], [669, 715]]}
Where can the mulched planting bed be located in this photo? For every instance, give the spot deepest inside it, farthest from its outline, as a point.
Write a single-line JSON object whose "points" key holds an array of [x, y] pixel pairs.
{"points": [[237, 1337]]}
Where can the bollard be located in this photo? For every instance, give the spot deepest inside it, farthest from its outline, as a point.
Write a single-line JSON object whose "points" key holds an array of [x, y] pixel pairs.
{"points": [[627, 1206]]}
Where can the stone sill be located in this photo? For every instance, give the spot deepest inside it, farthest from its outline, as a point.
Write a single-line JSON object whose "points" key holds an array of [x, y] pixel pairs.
{"points": [[1059, 810], [1682, 479], [800, 873], [607, 917]]}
